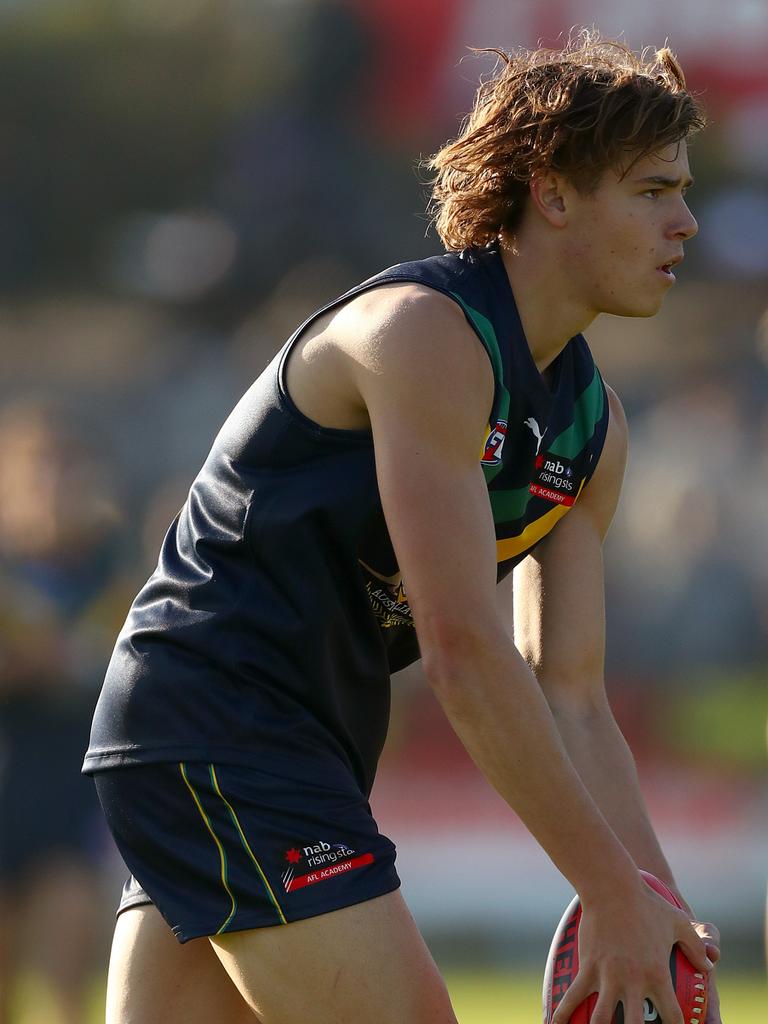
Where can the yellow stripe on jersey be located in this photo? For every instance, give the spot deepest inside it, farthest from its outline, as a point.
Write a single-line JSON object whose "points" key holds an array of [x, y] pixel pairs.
{"points": [[246, 844], [509, 547], [222, 855]]}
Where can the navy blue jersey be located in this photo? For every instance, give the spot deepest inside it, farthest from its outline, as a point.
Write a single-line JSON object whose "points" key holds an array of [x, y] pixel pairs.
{"points": [[267, 634]]}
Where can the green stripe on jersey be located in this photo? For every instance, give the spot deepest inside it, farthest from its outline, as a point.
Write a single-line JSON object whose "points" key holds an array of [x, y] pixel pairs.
{"points": [[509, 505], [587, 412], [484, 327]]}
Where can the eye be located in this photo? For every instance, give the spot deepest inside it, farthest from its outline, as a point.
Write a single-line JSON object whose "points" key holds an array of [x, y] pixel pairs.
{"points": [[654, 193]]}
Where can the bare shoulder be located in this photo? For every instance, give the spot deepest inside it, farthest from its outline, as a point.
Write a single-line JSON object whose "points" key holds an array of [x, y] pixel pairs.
{"points": [[405, 324], [402, 343], [416, 360]]}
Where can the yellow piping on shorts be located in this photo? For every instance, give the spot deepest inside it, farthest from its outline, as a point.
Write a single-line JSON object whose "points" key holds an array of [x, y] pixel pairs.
{"points": [[222, 854], [245, 843]]}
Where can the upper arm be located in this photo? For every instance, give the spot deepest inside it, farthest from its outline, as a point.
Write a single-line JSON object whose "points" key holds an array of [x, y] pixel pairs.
{"points": [[427, 385], [559, 608]]}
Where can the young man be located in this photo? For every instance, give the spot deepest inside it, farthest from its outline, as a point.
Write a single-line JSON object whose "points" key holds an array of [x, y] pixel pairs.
{"points": [[415, 441]]}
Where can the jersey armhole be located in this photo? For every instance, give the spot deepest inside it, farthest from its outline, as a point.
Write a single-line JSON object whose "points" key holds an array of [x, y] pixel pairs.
{"points": [[284, 397], [603, 424], [491, 351]]}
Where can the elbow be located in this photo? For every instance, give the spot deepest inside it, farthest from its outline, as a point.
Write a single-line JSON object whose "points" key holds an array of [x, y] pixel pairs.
{"points": [[579, 699], [452, 653]]}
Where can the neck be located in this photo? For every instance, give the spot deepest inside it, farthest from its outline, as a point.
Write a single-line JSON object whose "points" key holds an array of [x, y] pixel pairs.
{"points": [[551, 311]]}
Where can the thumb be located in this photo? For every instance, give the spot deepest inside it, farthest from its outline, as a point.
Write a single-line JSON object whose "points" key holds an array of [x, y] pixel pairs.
{"points": [[713, 952], [694, 948]]}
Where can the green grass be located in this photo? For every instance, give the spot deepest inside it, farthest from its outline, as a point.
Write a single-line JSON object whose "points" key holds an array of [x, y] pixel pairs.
{"points": [[498, 998], [479, 997]]}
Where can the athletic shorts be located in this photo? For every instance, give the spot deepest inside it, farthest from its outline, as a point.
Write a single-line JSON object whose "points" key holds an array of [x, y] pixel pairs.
{"points": [[222, 848]]}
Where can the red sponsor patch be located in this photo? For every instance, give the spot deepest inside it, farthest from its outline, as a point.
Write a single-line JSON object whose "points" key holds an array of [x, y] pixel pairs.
{"points": [[494, 444], [328, 871], [550, 495]]}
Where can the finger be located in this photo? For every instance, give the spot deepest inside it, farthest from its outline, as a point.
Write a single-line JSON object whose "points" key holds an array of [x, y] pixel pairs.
{"points": [[707, 931], [633, 1007], [713, 951], [667, 1006], [604, 1010], [694, 948], [577, 992]]}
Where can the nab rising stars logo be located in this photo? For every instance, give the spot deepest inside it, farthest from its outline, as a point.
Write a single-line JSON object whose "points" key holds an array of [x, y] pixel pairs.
{"points": [[320, 861], [494, 444]]}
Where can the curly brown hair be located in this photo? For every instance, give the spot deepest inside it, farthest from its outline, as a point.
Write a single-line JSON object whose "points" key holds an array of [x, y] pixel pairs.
{"points": [[591, 106]]}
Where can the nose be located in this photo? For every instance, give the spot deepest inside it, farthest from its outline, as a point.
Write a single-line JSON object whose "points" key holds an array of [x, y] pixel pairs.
{"points": [[686, 226]]}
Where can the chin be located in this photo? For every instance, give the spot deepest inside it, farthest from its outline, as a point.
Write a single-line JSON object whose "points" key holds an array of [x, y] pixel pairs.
{"points": [[635, 308]]}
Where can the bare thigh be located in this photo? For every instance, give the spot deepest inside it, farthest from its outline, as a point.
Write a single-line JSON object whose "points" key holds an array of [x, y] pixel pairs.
{"points": [[153, 979], [364, 963]]}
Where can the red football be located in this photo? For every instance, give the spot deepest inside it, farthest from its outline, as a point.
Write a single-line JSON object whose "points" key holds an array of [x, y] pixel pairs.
{"points": [[563, 964]]}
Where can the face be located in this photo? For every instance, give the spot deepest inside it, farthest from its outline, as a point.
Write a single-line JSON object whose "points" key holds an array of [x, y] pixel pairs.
{"points": [[624, 240]]}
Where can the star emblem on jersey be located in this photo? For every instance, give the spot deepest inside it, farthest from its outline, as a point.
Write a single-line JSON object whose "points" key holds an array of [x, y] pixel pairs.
{"points": [[292, 856]]}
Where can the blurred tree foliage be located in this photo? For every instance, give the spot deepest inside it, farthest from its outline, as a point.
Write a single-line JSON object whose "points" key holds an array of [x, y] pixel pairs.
{"points": [[100, 114], [719, 718], [111, 110]]}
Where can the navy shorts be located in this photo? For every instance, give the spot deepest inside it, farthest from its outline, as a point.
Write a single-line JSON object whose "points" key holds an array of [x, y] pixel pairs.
{"points": [[221, 848]]}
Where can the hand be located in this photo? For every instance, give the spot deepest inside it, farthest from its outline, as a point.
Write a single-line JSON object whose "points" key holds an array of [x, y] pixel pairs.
{"points": [[624, 949], [711, 936]]}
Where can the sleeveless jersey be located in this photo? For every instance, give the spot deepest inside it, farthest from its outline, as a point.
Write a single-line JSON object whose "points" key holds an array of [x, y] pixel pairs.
{"points": [[267, 634]]}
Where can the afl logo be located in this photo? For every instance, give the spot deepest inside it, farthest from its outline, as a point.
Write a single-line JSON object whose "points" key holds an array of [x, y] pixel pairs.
{"points": [[494, 444]]}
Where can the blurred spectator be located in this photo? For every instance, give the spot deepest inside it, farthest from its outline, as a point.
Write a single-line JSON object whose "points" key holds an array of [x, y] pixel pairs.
{"points": [[59, 608], [682, 534], [308, 177]]}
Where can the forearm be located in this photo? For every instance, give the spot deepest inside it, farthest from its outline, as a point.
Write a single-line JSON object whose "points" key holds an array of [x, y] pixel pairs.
{"points": [[506, 726], [605, 764]]}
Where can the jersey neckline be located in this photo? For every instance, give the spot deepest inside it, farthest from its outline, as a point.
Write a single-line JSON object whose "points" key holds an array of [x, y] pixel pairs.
{"points": [[547, 392]]}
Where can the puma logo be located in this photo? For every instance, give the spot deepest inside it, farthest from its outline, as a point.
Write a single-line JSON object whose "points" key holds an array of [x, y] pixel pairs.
{"points": [[536, 430]]}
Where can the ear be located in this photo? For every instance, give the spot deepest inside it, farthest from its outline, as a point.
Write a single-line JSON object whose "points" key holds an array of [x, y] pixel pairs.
{"points": [[548, 197]]}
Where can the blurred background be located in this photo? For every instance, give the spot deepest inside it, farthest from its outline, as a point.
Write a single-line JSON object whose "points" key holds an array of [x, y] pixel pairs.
{"points": [[181, 183]]}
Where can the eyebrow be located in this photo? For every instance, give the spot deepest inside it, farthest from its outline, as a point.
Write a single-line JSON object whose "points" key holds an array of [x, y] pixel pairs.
{"points": [[660, 179]]}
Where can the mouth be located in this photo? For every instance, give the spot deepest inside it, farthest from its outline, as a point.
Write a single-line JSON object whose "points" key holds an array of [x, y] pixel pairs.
{"points": [[666, 268]]}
